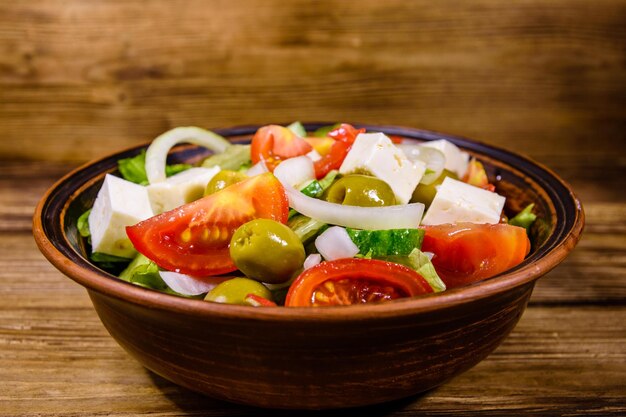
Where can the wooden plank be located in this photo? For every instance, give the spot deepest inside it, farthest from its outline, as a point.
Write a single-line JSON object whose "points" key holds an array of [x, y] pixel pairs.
{"points": [[78, 79], [558, 360]]}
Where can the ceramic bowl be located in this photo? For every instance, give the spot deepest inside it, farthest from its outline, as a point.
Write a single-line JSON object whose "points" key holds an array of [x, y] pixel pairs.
{"points": [[316, 358]]}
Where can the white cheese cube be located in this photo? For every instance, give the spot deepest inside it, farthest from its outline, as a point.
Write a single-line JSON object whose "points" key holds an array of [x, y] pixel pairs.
{"points": [[456, 160], [119, 203], [375, 154], [180, 189], [457, 202]]}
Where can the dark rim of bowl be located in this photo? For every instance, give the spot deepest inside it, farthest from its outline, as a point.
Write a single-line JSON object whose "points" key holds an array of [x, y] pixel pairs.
{"points": [[48, 230]]}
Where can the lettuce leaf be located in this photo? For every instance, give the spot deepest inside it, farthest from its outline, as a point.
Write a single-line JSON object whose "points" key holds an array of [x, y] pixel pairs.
{"points": [[82, 224], [418, 261], [524, 218], [233, 158], [134, 169], [143, 272]]}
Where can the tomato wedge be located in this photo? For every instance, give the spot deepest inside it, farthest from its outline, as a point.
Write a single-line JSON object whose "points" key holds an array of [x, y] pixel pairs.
{"points": [[469, 252], [193, 239], [354, 281], [344, 136], [272, 144]]}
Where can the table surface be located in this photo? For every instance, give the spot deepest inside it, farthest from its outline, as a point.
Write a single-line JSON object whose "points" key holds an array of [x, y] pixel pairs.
{"points": [[543, 77]]}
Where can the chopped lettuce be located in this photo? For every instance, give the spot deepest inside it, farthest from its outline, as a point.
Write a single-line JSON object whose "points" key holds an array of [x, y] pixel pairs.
{"points": [[110, 263], [421, 263], [305, 227], [298, 129], [391, 242], [312, 189], [233, 158], [524, 218], [82, 224], [134, 169], [143, 272]]}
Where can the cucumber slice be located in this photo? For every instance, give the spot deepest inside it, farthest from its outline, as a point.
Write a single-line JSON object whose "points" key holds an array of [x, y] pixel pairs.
{"points": [[381, 243]]}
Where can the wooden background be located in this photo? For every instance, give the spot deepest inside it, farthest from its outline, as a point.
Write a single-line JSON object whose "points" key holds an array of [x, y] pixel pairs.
{"points": [[79, 79]]}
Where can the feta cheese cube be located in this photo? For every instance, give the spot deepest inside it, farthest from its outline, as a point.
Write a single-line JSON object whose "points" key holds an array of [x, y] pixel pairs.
{"points": [[180, 189], [119, 203], [375, 154], [456, 160], [457, 202]]}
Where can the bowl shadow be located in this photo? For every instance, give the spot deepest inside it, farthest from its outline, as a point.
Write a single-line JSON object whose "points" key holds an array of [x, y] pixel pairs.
{"points": [[194, 403]]}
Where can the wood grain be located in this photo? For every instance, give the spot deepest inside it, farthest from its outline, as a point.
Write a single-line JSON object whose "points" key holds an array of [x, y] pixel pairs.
{"points": [[546, 78]]}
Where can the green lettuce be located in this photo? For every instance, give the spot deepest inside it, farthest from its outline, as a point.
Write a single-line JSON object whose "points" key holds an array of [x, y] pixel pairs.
{"points": [[143, 272], [418, 261], [524, 218], [133, 169], [233, 158]]}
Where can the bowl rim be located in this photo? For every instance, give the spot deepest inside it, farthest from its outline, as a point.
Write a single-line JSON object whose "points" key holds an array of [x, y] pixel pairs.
{"points": [[97, 280]]}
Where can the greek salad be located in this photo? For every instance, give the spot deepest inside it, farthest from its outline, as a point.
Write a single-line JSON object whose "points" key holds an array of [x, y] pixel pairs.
{"points": [[338, 216]]}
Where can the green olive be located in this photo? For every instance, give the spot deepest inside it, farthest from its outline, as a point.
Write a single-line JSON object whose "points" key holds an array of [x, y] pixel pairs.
{"points": [[425, 193], [234, 291], [360, 190], [266, 251], [223, 179]]}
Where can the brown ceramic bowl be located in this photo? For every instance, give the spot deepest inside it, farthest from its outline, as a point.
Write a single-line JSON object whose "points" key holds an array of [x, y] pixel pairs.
{"points": [[314, 358]]}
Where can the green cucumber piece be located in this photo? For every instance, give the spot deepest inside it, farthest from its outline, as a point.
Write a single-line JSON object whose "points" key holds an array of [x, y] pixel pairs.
{"points": [[381, 243]]}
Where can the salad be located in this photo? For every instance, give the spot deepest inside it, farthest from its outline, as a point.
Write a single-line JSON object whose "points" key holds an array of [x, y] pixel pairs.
{"points": [[338, 216]]}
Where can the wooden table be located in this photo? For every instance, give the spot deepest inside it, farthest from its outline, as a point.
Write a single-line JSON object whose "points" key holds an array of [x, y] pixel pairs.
{"points": [[546, 78]]}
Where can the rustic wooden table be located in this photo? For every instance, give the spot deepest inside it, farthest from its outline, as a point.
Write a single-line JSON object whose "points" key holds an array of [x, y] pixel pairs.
{"points": [[546, 78]]}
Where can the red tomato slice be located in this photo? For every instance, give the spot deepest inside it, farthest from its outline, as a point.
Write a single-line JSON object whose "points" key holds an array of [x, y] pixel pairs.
{"points": [[354, 281], [468, 252], [274, 143], [344, 136], [193, 239]]}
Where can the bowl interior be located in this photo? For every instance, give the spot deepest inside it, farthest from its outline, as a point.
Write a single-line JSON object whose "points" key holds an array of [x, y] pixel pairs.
{"points": [[521, 180]]}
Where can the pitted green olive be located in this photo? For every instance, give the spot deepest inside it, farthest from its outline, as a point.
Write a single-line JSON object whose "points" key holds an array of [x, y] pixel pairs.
{"points": [[266, 251], [360, 190], [234, 291], [425, 193], [223, 179]]}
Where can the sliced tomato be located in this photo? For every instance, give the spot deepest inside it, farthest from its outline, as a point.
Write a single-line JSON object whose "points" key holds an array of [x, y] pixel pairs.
{"points": [[346, 133], [344, 136], [193, 239], [354, 281], [468, 252], [272, 144]]}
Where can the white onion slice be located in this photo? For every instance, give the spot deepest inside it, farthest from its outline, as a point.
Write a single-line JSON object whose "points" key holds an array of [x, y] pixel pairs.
{"points": [[312, 260], [433, 158], [335, 243], [295, 171], [257, 169], [405, 216], [156, 155], [187, 285]]}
